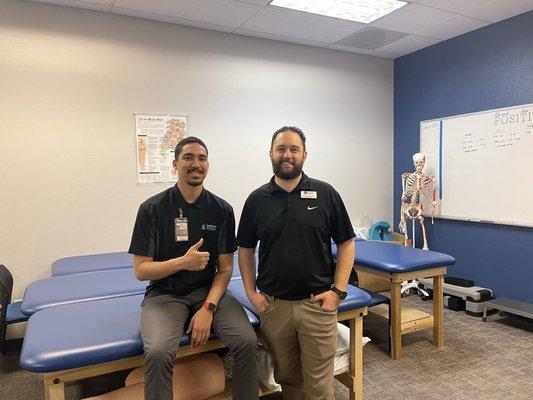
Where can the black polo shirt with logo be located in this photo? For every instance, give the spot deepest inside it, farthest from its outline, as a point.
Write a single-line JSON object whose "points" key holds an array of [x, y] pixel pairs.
{"points": [[295, 231], [209, 217]]}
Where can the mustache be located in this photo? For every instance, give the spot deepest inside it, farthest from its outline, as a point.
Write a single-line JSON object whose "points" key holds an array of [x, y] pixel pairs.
{"points": [[195, 170]]}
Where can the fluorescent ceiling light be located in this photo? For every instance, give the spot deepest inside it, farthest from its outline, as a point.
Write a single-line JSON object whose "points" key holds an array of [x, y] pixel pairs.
{"points": [[364, 11]]}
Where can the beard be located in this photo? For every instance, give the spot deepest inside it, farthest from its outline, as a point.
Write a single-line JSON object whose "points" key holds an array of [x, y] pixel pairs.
{"points": [[195, 181], [277, 168]]}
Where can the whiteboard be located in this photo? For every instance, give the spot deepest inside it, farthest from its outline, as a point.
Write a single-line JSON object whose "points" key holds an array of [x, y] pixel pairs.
{"points": [[483, 163]]}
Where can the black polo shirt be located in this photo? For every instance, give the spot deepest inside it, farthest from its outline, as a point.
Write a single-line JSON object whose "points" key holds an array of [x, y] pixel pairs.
{"points": [[209, 217], [295, 231]]}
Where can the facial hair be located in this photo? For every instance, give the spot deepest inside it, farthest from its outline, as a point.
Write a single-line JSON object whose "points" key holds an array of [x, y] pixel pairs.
{"points": [[191, 182], [278, 170]]}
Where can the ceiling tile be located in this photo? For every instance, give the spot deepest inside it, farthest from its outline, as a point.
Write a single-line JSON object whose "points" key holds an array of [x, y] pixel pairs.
{"points": [[221, 12], [145, 15], [169, 8], [374, 53], [498, 10], [205, 25], [412, 18], [258, 2], [456, 6], [279, 38], [408, 45], [301, 25], [452, 27], [371, 38], [99, 5]]}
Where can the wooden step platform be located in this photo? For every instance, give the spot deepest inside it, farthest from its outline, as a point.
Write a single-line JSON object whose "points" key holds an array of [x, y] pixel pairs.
{"points": [[412, 319]]}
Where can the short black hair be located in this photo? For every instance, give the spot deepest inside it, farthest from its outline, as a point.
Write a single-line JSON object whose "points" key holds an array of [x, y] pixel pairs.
{"points": [[188, 140], [294, 129]]}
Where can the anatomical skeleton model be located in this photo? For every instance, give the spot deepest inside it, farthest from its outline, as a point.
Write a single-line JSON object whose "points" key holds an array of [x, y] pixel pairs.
{"points": [[416, 185]]}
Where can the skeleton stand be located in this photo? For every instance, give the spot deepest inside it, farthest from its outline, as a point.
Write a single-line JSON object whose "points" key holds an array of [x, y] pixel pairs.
{"points": [[406, 285]]}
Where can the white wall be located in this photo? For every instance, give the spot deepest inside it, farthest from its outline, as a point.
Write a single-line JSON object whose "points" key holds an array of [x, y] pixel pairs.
{"points": [[70, 80]]}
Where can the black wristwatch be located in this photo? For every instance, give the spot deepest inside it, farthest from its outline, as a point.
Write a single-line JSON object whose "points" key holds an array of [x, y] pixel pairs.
{"points": [[210, 306], [339, 292]]}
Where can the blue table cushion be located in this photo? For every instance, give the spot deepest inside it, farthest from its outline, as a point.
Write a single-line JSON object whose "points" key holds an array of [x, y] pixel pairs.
{"points": [[376, 298], [82, 334], [356, 298], [77, 288], [13, 313], [392, 258], [92, 262]]}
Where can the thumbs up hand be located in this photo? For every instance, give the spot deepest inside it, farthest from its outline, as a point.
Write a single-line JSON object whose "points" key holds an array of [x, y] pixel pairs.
{"points": [[195, 260]]}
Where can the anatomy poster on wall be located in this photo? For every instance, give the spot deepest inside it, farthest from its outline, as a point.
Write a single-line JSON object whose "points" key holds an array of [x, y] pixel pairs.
{"points": [[156, 137]]}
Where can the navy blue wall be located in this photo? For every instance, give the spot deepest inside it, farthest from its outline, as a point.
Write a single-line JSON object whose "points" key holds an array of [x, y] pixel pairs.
{"points": [[488, 68]]}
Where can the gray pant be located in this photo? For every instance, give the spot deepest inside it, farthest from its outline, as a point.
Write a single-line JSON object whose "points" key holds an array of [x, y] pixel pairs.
{"points": [[162, 324]]}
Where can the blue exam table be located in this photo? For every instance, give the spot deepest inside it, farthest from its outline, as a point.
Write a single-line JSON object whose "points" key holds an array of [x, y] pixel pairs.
{"points": [[99, 331], [83, 339], [75, 288], [395, 264], [93, 328], [92, 262]]}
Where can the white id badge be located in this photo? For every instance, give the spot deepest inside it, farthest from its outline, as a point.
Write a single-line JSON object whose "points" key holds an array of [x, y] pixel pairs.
{"points": [[181, 230], [308, 194]]}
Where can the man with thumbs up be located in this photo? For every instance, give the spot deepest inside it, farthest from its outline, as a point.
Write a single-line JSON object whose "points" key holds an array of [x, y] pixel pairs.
{"points": [[183, 243]]}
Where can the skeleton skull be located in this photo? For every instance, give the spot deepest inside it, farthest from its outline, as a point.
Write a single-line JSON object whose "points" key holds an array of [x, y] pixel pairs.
{"points": [[419, 160]]}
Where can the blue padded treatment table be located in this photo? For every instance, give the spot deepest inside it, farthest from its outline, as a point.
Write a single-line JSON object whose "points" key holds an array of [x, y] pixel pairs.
{"points": [[92, 262], [13, 313], [81, 334], [79, 340], [104, 261], [396, 263], [77, 288], [390, 257]]}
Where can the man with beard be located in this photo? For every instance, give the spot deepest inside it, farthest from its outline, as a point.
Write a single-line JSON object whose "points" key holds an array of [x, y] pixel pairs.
{"points": [[294, 218], [183, 242]]}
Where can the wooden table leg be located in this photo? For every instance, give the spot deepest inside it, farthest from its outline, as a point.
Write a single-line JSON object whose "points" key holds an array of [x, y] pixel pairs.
{"points": [[54, 390], [396, 320], [356, 359], [438, 308]]}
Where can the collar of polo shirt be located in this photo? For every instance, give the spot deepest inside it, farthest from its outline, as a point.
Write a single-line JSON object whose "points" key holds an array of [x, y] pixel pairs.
{"points": [[198, 203], [302, 185]]}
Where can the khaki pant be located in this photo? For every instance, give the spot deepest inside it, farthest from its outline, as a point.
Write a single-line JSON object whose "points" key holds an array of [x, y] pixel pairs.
{"points": [[301, 336]]}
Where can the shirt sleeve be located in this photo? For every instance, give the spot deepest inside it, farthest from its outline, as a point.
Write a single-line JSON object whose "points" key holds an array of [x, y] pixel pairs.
{"points": [[226, 233], [144, 234], [341, 226], [247, 234]]}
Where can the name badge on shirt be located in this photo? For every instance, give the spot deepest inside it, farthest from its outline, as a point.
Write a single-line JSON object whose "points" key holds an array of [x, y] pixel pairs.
{"points": [[308, 194], [181, 228]]}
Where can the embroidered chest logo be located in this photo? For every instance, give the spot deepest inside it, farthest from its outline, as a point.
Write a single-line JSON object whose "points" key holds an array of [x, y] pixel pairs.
{"points": [[208, 227], [312, 208]]}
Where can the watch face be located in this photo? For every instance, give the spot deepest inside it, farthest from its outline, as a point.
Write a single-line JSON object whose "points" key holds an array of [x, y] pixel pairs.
{"points": [[339, 292]]}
